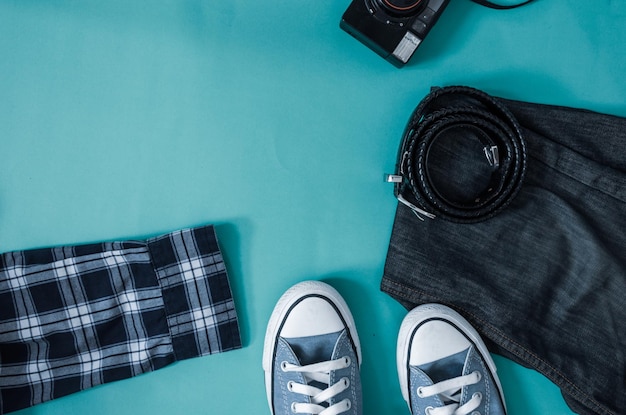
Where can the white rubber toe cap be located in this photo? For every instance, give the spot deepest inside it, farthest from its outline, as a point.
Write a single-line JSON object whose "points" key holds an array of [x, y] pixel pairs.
{"points": [[435, 340], [311, 317]]}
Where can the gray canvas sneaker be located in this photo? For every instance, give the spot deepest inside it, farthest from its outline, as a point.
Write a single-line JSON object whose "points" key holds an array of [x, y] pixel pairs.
{"points": [[312, 354], [444, 367]]}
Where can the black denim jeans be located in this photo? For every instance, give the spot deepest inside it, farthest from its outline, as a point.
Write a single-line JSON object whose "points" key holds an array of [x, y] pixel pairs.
{"points": [[544, 280]]}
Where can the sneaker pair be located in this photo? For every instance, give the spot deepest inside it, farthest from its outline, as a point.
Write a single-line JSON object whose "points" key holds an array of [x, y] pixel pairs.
{"points": [[312, 358]]}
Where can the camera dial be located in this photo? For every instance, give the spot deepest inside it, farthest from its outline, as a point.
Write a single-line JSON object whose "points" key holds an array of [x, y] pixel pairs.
{"points": [[402, 7]]}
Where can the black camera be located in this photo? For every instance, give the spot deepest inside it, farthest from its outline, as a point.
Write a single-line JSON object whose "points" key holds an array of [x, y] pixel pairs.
{"points": [[392, 28]]}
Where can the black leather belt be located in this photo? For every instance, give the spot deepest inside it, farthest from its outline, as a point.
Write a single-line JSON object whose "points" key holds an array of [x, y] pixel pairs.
{"points": [[486, 119]]}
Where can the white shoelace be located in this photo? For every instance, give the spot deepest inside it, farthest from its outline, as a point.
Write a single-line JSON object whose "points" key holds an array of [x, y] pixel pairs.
{"points": [[450, 391], [319, 372]]}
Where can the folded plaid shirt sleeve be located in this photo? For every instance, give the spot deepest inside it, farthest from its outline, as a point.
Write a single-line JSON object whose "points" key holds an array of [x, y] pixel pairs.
{"points": [[76, 317]]}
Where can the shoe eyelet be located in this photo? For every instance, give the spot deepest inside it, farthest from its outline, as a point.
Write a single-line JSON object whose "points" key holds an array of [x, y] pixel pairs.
{"points": [[429, 410], [475, 413], [290, 386], [420, 391], [348, 403], [283, 366], [477, 395], [347, 361], [293, 407], [478, 375], [346, 382]]}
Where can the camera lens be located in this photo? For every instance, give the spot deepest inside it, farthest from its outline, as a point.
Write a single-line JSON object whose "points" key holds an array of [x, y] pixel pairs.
{"points": [[402, 7]]}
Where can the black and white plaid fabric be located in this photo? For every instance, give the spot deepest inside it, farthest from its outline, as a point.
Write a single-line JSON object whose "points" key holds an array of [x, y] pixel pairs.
{"points": [[76, 317]]}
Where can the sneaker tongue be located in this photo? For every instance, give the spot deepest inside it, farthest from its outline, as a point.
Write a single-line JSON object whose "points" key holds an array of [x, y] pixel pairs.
{"points": [[446, 368], [314, 349]]}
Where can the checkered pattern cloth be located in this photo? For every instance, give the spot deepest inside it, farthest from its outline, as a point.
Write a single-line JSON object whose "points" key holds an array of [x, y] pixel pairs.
{"points": [[76, 317]]}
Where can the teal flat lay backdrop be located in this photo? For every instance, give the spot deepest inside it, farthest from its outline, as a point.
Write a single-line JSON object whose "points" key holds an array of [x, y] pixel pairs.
{"points": [[126, 119]]}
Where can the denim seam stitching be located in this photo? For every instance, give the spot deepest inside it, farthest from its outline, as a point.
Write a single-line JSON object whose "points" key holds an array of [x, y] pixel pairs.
{"points": [[603, 191]]}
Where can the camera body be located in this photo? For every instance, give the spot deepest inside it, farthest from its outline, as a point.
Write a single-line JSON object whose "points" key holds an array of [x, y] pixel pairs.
{"points": [[392, 28]]}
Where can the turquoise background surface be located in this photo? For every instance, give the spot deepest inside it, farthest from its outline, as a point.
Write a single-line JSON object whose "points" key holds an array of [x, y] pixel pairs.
{"points": [[127, 119]]}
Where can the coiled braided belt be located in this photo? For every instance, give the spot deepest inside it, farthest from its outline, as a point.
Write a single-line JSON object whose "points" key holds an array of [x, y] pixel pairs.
{"points": [[469, 110]]}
